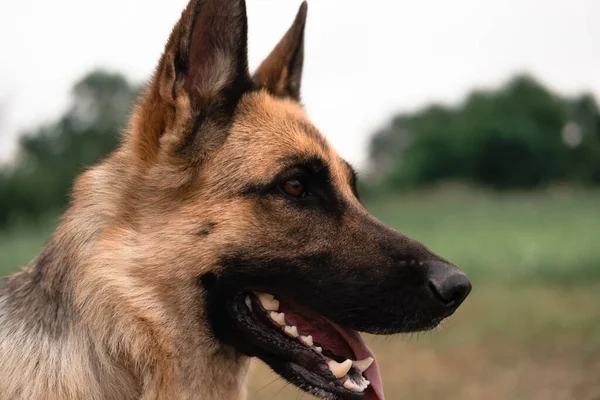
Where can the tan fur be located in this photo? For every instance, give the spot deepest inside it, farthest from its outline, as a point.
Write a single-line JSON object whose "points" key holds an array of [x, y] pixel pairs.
{"points": [[111, 308], [133, 330]]}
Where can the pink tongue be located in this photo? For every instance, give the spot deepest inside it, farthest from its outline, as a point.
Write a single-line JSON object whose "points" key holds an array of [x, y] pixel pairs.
{"points": [[362, 351]]}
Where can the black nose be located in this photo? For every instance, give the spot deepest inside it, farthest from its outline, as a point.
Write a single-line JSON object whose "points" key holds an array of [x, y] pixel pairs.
{"points": [[448, 284]]}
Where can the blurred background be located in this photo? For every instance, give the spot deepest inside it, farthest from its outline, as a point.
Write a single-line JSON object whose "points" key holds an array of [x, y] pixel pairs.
{"points": [[475, 127]]}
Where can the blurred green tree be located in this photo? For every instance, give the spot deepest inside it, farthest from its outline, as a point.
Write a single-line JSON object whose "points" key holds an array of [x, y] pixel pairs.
{"points": [[519, 136], [51, 156]]}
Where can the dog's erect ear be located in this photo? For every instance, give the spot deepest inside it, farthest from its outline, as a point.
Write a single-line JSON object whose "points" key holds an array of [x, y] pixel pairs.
{"points": [[206, 54], [199, 80], [281, 72]]}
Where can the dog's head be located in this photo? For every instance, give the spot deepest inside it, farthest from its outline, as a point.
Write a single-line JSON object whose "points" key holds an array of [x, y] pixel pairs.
{"points": [[240, 200]]}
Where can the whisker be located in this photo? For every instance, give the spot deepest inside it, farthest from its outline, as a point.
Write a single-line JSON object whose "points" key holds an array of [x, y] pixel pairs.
{"points": [[268, 384], [279, 391]]}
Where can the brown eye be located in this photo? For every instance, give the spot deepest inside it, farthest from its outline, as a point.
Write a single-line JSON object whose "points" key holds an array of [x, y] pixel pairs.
{"points": [[294, 188]]}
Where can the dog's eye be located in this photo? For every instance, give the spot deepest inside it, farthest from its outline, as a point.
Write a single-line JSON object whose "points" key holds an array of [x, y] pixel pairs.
{"points": [[294, 188]]}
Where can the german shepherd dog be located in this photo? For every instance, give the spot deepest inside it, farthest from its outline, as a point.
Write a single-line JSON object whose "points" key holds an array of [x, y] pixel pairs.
{"points": [[224, 227]]}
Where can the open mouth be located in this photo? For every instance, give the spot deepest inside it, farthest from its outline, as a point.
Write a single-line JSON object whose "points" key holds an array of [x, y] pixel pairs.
{"points": [[303, 344], [310, 351]]}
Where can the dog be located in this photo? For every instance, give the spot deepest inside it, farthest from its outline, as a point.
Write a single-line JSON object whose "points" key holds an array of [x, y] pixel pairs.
{"points": [[224, 227]]}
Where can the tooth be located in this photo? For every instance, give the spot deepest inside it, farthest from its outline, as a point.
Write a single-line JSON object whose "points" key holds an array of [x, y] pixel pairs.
{"points": [[268, 302], [291, 330], [352, 386], [362, 365], [349, 385], [307, 340], [318, 349], [248, 303], [267, 296], [279, 318], [273, 306], [339, 369]]}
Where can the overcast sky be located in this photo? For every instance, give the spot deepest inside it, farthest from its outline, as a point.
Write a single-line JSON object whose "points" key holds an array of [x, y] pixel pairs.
{"points": [[363, 59]]}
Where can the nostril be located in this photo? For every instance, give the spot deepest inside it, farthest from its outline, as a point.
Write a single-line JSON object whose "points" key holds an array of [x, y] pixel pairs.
{"points": [[435, 292], [451, 290]]}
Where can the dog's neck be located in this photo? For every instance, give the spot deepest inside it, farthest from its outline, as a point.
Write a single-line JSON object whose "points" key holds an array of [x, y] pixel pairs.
{"points": [[66, 334]]}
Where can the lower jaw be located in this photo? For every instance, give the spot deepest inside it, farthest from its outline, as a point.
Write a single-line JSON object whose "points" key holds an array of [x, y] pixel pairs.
{"points": [[294, 360], [231, 322], [314, 383]]}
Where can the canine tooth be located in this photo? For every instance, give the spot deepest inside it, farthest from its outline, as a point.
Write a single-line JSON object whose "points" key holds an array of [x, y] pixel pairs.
{"points": [[362, 365], [267, 296], [248, 303], [339, 369], [307, 340], [348, 384], [268, 301], [279, 318], [291, 330], [318, 349], [274, 306]]}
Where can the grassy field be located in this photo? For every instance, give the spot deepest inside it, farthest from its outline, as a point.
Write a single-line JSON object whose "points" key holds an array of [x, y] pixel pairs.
{"points": [[531, 327]]}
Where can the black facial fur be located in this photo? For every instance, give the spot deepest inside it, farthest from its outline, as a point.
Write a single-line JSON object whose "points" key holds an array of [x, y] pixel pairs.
{"points": [[328, 255], [366, 299], [315, 174]]}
